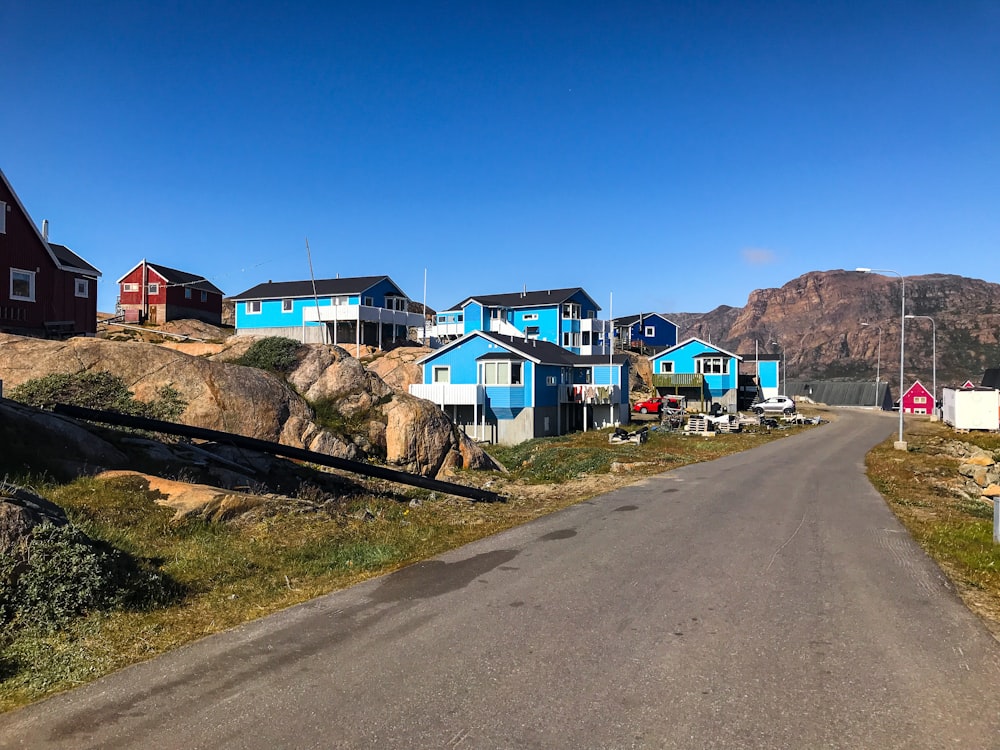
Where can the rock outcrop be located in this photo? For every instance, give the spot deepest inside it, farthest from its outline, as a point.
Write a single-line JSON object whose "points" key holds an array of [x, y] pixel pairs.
{"points": [[373, 420]]}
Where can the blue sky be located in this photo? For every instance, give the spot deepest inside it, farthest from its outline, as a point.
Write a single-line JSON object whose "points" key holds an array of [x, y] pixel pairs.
{"points": [[675, 155]]}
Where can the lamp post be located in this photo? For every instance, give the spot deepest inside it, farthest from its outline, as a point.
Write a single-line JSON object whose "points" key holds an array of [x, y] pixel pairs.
{"points": [[933, 357], [878, 360], [784, 374], [900, 443]]}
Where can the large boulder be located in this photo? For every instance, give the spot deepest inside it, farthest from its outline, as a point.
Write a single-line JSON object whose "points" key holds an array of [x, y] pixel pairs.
{"points": [[399, 368]]}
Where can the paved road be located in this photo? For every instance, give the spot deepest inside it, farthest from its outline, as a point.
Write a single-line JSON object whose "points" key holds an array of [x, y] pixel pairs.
{"points": [[764, 600]]}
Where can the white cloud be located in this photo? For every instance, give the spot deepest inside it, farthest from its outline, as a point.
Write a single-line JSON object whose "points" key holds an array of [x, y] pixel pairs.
{"points": [[756, 256]]}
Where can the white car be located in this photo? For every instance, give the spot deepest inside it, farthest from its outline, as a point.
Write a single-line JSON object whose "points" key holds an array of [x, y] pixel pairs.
{"points": [[781, 404]]}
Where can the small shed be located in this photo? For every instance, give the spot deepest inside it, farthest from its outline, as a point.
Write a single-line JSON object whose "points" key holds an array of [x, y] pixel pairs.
{"points": [[974, 408]]}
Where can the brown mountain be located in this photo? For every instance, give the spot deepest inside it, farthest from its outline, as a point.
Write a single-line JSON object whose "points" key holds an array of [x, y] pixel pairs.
{"points": [[817, 318]]}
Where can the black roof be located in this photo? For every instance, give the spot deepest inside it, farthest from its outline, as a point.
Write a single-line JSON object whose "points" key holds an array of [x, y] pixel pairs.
{"points": [[324, 288], [627, 320], [524, 299], [67, 257], [551, 354], [991, 378], [183, 278]]}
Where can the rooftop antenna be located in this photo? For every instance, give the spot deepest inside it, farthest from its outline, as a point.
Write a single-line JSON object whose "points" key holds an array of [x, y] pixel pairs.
{"points": [[315, 294]]}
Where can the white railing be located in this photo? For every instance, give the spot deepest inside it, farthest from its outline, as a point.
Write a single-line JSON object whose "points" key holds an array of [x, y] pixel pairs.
{"points": [[445, 330], [338, 313], [507, 329], [447, 394]]}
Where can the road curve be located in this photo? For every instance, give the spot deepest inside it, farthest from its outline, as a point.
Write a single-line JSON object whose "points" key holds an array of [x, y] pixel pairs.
{"points": [[764, 600]]}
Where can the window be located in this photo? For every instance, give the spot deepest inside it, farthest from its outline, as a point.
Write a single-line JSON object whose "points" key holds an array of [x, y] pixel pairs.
{"points": [[571, 310], [369, 302], [204, 296], [920, 399], [712, 365], [497, 313], [532, 332], [395, 303], [550, 380], [253, 307], [154, 287], [340, 301], [441, 374], [648, 331], [585, 338], [502, 373], [188, 294], [592, 314], [287, 305], [22, 285], [82, 288], [130, 287], [666, 367], [530, 316], [570, 339], [3, 218]]}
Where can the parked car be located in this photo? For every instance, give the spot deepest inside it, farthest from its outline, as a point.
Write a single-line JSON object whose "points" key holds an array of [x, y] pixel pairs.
{"points": [[781, 404], [660, 404]]}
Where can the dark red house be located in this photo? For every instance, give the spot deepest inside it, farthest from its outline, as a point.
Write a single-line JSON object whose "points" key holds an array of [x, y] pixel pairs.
{"points": [[152, 293], [45, 288]]}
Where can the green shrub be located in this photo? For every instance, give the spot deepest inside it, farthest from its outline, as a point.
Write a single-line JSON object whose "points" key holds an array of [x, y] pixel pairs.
{"points": [[68, 575], [274, 354], [98, 390]]}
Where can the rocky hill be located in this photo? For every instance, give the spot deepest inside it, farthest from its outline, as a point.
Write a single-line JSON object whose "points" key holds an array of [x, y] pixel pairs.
{"points": [[817, 319], [365, 417]]}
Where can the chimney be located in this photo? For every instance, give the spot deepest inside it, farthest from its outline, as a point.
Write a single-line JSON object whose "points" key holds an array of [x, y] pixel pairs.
{"points": [[45, 229]]}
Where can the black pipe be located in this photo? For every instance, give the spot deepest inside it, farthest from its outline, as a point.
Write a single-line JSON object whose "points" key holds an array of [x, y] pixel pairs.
{"points": [[277, 449]]}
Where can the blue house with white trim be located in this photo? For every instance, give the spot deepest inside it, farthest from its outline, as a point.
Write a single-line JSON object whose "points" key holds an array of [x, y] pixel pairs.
{"points": [[649, 331], [701, 372], [565, 317], [363, 310], [507, 389]]}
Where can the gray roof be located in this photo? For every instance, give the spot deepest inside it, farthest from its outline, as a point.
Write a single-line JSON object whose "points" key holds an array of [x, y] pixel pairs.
{"points": [[841, 393], [991, 378], [324, 288]]}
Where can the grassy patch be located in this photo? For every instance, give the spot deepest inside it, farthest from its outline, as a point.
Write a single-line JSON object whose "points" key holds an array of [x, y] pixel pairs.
{"points": [[922, 488]]}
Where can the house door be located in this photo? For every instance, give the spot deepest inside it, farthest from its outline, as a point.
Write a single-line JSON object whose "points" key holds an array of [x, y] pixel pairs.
{"points": [[152, 314]]}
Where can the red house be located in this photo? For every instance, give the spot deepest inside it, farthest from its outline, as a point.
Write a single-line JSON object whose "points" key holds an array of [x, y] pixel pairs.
{"points": [[152, 293], [917, 400], [45, 289]]}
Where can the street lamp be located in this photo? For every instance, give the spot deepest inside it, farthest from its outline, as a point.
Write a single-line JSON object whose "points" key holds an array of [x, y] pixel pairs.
{"points": [[900, 444], [933, 356], [784, 374], [878, 360]]}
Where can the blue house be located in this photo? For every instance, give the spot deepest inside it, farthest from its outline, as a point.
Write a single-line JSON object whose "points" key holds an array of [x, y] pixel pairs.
{"points": [[649, 331], [701, 372], [565, 317], [370, 310], [507, 389]]}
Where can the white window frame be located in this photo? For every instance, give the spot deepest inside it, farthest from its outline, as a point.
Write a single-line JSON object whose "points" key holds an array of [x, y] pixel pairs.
{"points": [[667, 367], [129, 287], [712, 366], [571, 311], [287, 305], [441, 374], [498, 313], [920, 399], [251, 304], [570, 339], [649, 331], [503, 372], [153, 288], [530, 316], [368, 302], [81, 288], [29, 277]]}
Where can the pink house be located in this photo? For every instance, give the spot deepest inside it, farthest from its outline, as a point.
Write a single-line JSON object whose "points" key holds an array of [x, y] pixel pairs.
{"points": [[917, 400]]}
